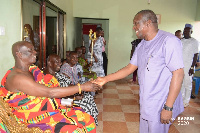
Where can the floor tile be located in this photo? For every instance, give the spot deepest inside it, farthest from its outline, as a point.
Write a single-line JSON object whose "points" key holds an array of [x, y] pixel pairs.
{"points": [[124, 91], [113, 116], [110, 84], [135, 91], [135, 87], [137, 96], [107, 95], [100, 107], [114, 127], [191, 128], [123, 87], [99, 95], [100, 127], [194, 104], [196, 119], [191, 110], [173, 129], [132, 117], [112, 108], [109, 101], [126, 96], [100, 116], [130, 108], [109, 87], [110, 91], [98, 100], [133, 127], [128, 102]]}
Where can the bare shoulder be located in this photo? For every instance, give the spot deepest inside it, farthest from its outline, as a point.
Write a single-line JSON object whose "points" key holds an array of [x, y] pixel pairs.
{"points": [[15, 81], [19, 81]]}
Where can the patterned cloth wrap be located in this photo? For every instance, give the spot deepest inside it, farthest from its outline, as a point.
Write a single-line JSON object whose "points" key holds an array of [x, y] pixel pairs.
{"points": [[84, 63], [87, 103], [2, 127], [46, 113]]}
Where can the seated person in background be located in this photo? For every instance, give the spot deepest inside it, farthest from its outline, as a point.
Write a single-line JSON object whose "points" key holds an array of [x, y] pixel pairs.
{"points": [[85, 66], [64, 61], [83, 52], [79, 68], [69, 69], [67, 55], [86, 102], [34, 104], [178, 34]]}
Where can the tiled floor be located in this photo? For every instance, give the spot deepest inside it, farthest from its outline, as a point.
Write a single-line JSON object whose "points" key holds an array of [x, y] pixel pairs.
{"points": [[119, 110]]}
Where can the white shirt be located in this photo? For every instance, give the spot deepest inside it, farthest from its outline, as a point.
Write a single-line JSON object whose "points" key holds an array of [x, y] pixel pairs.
{"points": [[190, 47]]}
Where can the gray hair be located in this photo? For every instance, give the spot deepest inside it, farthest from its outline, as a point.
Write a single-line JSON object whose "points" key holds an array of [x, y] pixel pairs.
{"points": [[148, 15]]}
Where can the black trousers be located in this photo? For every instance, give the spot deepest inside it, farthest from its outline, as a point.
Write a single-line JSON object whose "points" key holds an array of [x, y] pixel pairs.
{"points": [[105, 62]]}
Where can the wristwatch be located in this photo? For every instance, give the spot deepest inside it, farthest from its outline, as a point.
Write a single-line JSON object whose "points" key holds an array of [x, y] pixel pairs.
{"points": [[167, 108]]}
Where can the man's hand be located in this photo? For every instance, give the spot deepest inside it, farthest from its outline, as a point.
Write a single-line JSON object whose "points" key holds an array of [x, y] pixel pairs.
{"points": [[90, 86], [100, 81], [166, 116], [191, 71]]}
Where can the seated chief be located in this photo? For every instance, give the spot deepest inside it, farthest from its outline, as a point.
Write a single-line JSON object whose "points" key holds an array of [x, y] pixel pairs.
{"points": [[34, 104]]}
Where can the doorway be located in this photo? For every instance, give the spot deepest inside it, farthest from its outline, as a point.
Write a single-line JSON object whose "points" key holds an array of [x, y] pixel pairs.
{"points": [[82, 27]]}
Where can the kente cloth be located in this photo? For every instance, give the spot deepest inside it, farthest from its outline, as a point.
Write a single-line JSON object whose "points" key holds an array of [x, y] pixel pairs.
{"points": [[87, 103], [84, 63], [2, 127], [46, 113]]}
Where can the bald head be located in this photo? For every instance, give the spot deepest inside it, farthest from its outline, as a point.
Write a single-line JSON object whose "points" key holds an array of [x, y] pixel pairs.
{"points": [[53, 63], [23, 53], [52, 57], [17, 46]]}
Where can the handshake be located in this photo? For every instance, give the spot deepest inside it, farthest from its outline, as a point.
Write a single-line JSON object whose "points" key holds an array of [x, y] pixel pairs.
{"points": [[94, 85]]}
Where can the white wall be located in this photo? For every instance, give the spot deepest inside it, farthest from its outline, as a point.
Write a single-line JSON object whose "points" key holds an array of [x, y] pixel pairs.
{"points": [[174, 15], [10, 18]]}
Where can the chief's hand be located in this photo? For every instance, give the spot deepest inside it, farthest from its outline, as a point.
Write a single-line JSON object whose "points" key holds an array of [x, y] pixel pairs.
{"points": [[166, 116], [100, 81], [90, 86], [79, 97]]}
